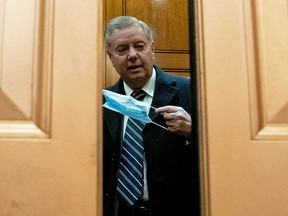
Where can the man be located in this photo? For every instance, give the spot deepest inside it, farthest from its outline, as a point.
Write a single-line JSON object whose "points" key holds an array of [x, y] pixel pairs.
{"points": [[165, 188]]}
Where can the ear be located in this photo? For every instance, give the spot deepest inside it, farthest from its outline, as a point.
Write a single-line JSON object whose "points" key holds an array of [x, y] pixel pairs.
{"points": [[109, 54], [152, 48], [110, 57]]}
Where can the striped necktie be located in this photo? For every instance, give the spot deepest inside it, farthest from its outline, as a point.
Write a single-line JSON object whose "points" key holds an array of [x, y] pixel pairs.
{"points": [[130, 177]]}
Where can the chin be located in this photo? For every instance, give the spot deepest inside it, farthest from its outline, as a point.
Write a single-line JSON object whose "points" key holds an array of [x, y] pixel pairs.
{"points": [[137, 83]]}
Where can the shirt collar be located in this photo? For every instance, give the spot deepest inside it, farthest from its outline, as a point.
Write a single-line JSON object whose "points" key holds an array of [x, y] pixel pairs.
{"points": [[148, 87]]}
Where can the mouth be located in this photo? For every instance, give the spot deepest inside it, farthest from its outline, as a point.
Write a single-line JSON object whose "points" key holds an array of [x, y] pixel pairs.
{"points": [[133, 67]]}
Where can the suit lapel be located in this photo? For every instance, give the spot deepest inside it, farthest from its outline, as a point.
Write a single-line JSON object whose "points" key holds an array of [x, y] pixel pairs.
{"points": [[114, 123], [114, 119], [164, 92]]}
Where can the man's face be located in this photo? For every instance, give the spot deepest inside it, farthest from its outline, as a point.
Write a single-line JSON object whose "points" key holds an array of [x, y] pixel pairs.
{"points": [[132, 55]]}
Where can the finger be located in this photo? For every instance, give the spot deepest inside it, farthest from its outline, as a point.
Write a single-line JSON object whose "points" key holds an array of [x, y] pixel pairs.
{"points": [[169, 116], [167, 109], [170, 123]]}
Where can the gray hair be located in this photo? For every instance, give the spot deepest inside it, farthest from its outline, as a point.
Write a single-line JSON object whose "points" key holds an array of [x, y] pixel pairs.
{"points": [[122, 22]]}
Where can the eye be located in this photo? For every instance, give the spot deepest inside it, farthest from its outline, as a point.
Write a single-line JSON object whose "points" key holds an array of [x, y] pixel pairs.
{"points": [[140, 46], [121, 50]]}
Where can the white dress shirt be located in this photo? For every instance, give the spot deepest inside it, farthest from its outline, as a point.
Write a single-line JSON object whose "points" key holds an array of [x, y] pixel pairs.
{"points": [[149, 89]]}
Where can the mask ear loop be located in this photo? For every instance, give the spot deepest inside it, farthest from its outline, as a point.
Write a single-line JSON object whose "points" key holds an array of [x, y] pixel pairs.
{"points": [[159, 125], [156, 123]]}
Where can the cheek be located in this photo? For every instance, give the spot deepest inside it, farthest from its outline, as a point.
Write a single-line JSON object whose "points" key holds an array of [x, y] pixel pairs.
{"points": [[114, 61], [150, 56], [119, 64], [149, 60]]}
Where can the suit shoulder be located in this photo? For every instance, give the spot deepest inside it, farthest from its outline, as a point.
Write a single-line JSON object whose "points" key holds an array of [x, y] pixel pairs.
{"points": [[171, 78]]}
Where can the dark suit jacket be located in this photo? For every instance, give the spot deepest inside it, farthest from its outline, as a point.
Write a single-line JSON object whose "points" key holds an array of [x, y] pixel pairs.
{"points": [[168, 159]]}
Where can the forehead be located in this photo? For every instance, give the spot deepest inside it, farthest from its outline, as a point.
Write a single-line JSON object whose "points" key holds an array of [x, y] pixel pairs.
{"points": [[129, 34]]}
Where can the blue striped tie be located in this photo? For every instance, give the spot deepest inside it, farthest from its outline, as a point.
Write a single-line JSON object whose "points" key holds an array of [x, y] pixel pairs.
{"points": [[130, 178]]}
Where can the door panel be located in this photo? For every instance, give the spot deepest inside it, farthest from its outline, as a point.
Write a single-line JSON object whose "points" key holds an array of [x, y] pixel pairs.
{"points": [[243, 66], [50, 115]]}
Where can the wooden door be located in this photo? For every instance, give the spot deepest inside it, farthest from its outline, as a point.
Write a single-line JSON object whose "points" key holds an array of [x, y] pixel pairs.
{"points": [[243, 76], [50, 115], [169, 22]]}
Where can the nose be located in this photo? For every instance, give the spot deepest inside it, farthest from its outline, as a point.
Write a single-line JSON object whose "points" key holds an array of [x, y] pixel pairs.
{"points": [[132, 55]]}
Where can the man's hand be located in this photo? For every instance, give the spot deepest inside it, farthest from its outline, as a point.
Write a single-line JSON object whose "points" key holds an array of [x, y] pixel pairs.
{"points": [[177, 119]]}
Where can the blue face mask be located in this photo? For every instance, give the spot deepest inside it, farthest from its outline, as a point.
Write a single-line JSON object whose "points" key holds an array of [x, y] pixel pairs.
{"points": [[127, 105]]}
